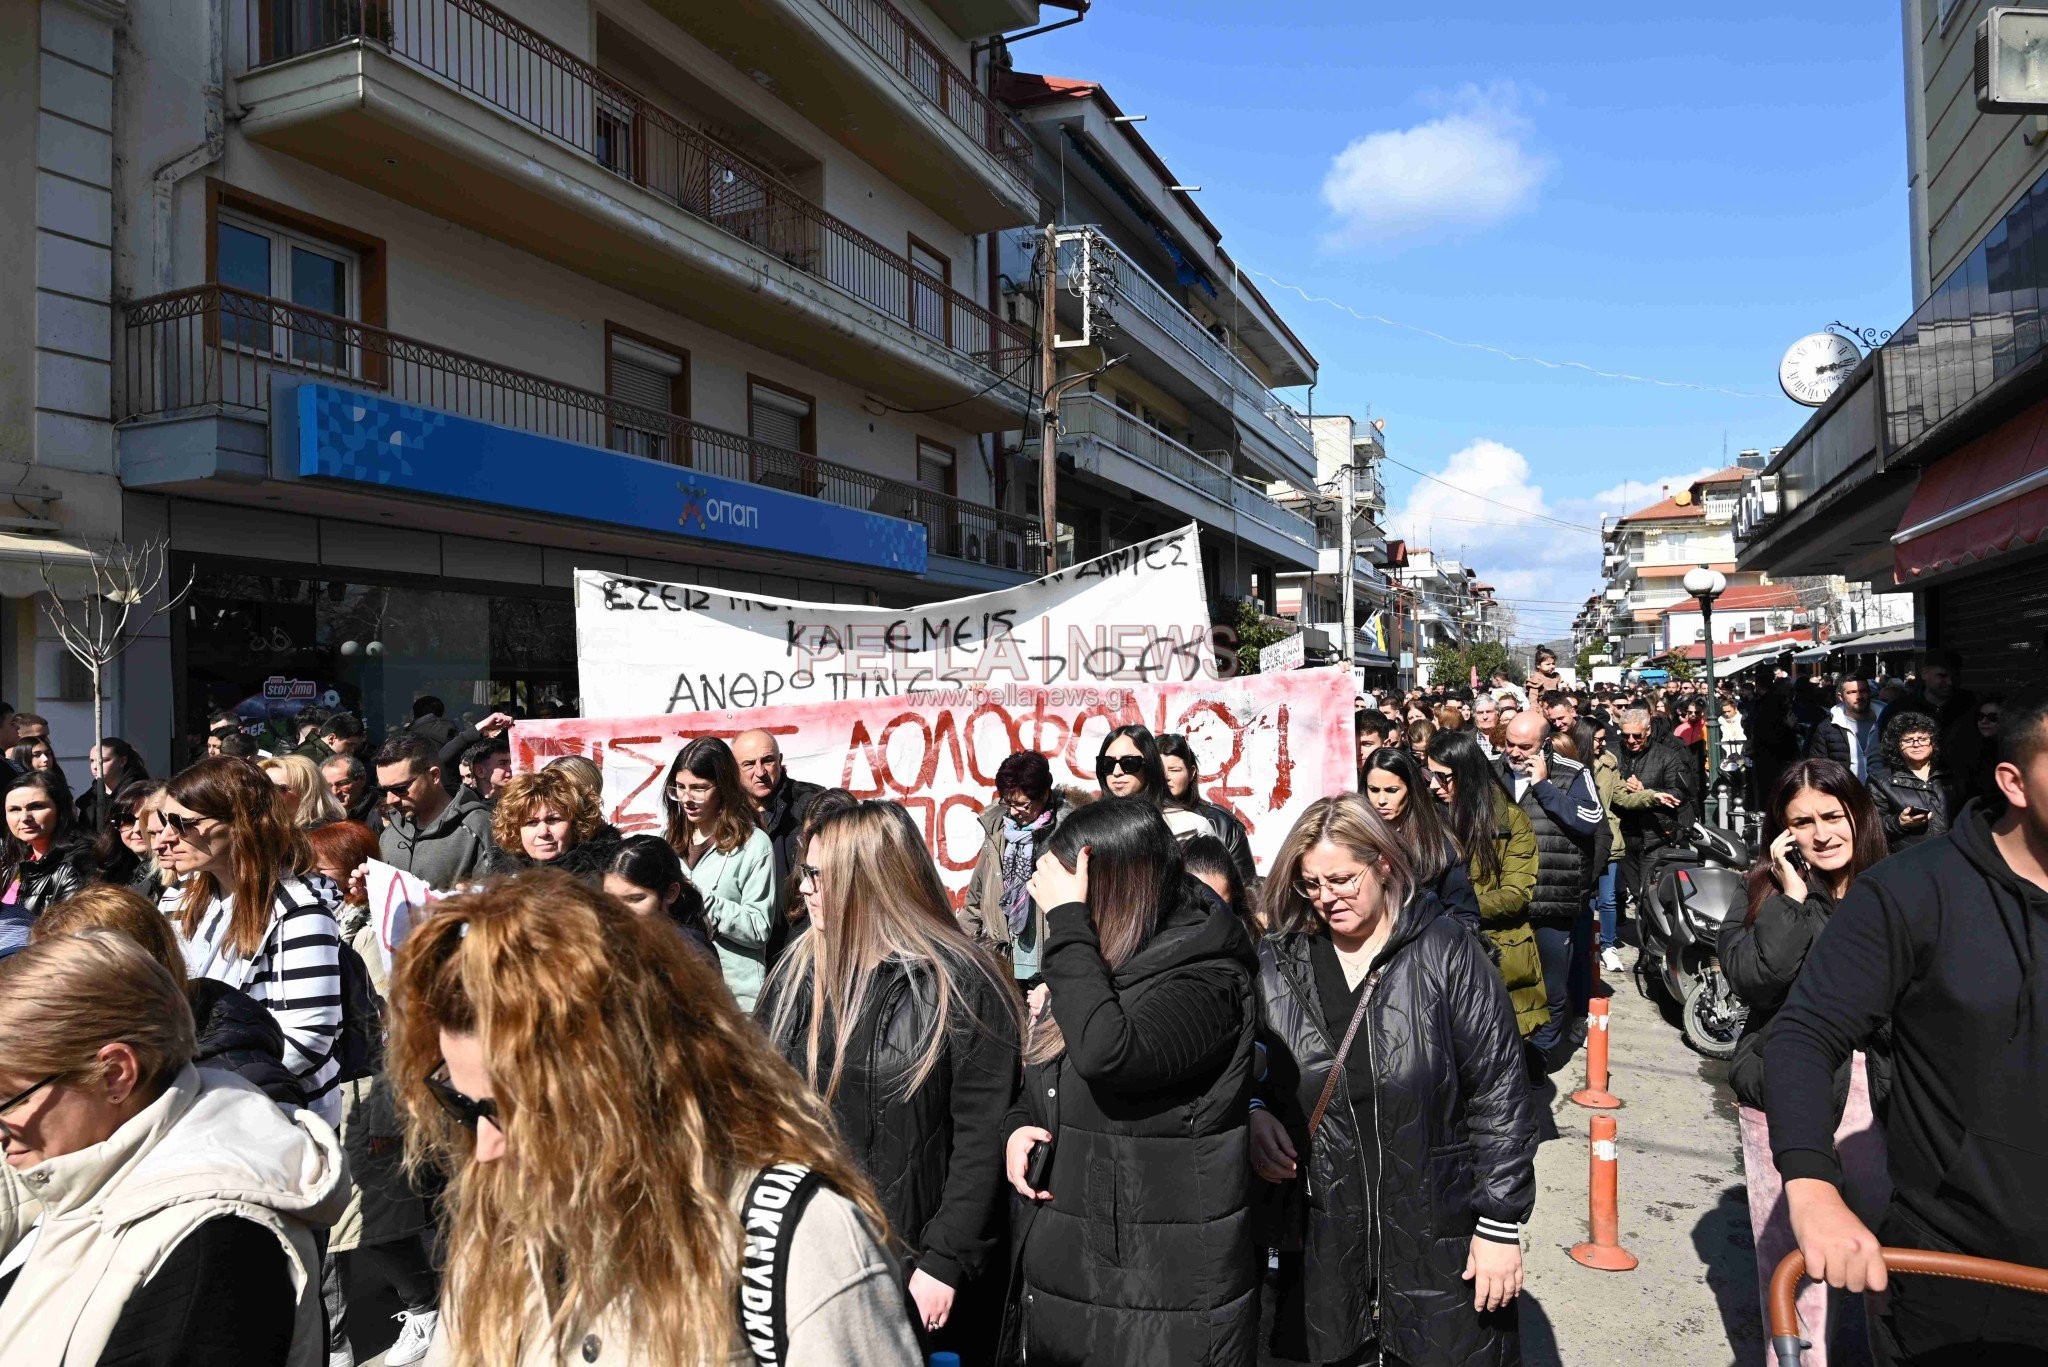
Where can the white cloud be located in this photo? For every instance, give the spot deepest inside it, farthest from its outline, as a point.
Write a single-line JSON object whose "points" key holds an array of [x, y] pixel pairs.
{"points": [[1470, 167], [1632, 494]]}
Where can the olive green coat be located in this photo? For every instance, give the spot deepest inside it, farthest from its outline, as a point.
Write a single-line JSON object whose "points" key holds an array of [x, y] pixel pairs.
{"points": [[1504, 912]]}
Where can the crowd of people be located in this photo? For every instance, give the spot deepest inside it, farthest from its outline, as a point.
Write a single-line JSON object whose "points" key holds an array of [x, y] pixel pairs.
{"points": [[753, 1088]]}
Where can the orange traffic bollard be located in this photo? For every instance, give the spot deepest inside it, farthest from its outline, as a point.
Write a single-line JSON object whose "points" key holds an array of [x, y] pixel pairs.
{"points": [[1604, 1251], [1594, 1095]]}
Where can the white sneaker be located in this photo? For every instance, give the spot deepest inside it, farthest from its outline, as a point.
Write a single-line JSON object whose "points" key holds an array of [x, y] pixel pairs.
{"points": [[341, 1357], [415, 1336], [1610, 960]]}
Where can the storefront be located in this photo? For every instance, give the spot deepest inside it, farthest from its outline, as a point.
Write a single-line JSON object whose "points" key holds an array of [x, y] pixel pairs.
{"points": [[268, 641]]}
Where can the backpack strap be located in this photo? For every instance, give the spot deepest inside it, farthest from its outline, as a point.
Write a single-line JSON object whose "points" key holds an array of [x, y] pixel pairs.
{"points": [[775, 1203]]}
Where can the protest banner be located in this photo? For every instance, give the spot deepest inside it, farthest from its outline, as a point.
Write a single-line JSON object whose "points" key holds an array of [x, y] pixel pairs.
{"points": [[397, 901], [1136, 615], [1268, 745]]}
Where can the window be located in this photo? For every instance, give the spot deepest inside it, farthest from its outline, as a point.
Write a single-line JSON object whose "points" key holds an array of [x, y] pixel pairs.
{"points": [[319, 279], [931, 279], [1756, 626], [788, 420], [935, 466], [649, 381]]}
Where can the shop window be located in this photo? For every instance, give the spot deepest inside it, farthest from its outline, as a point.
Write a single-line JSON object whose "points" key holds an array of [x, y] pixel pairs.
{"points": [[651, 383], [318, 279]]}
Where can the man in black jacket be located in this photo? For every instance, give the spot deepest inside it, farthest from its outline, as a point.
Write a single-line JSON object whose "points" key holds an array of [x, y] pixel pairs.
{"points": [[1849, 733], [1942, 941], [781, 800], [1557, 796], [1658, 799]]}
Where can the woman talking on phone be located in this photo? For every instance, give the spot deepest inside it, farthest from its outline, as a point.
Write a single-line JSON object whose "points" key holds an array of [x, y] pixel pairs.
{"points": [[1820, 832], [1129, 1141]]}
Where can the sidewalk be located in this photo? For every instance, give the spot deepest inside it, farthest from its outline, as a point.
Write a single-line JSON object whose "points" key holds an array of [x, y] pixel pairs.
{"points": [[1693, 1299]]}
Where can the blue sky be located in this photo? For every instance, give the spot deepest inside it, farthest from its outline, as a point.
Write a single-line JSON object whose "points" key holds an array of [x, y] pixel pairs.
{"points": [[1669, 195]]}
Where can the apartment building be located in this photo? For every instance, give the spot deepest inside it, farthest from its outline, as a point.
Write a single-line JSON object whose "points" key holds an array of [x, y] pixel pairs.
{"points": [[1647, 553], [1440, 605], [1188, 425], [1345, 449], [390, 314], [1924, 474]]}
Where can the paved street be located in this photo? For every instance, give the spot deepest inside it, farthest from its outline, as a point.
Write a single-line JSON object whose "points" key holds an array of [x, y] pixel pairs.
{"points": [[1693, 1299]]}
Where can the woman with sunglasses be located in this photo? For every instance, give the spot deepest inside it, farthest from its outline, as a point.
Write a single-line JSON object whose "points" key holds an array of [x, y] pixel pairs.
{"points": [[150, 1212], [910, 1033], [1397, 787], [1501, 857], [42, 859], [1418, 1144], [604, 1113], [1128, 1140], [247, 913], [727, 856], [121, 851], [1133, 763]]}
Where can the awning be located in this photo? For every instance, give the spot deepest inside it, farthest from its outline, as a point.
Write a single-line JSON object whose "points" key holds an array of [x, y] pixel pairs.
{"points": [[1987, 498], [1882, 639], [24, 556], [1809, 656], [1742, 662]]}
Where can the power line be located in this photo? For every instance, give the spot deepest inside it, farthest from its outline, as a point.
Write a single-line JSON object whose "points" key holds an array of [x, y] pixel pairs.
{"points": [[1539, 517]]}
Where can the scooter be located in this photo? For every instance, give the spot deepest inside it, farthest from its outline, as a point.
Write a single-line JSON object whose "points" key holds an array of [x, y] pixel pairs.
{"points": [[1691, 891]]}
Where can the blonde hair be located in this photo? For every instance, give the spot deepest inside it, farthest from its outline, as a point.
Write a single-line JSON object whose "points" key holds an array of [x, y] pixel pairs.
{"points": [[66, 997], [634, 1096], [106, 907], [583, 769], [312, 801], [555, 786], [884, 902], [1349, 822]]}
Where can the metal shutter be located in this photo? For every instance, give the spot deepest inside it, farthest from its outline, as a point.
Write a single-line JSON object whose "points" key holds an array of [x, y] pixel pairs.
{"points": [[778, 418], [1998, 623]]}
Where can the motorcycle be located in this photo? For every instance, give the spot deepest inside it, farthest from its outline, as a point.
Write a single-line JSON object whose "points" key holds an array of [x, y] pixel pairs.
{"points": [[1691, 891]]}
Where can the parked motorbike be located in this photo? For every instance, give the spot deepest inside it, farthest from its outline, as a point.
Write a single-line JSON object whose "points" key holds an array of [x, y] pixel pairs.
{"points": [[1691, 891]]}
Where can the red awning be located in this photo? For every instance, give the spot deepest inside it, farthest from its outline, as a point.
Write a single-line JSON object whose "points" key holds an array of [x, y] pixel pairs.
{"points": [[1989, 497]]}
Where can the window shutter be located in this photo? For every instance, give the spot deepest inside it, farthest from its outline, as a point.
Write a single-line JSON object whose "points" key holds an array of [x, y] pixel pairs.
{"points": [[778, 418], [641, 385]]}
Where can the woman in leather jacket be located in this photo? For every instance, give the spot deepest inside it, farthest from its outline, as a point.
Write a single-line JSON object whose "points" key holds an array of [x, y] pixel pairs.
{"points": [[1415, 1150], [911, 1034], [42, 859], [1911, 788]]}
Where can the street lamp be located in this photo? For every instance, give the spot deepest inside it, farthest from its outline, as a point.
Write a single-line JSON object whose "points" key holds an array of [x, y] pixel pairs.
{"points": [[1706, 585]]}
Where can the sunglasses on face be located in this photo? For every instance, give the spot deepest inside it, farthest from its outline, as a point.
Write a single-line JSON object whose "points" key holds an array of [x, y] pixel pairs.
{"points": [[180, 825], [464, 1110], [807, 873], [1987, 719], [1105, 765]]}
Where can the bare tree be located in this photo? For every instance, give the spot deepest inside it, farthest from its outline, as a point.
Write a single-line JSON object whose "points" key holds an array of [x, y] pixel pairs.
{"points": [[127, 578]]}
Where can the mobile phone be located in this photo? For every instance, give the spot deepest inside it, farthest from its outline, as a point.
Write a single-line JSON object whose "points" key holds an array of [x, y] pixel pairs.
{"points": [[1038, 1167], [1911, 811], [1796, 857]]}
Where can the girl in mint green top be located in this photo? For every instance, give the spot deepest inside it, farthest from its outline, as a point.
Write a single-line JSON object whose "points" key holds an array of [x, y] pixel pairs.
{"points": [[727, 857]]}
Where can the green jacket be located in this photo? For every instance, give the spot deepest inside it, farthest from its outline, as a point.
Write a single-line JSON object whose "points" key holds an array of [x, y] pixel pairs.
{"points": [[1607, 783], [1504, 912]]}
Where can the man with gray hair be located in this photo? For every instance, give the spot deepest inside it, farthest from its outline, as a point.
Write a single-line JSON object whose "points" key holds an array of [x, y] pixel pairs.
{"points": [[1658, 798]]}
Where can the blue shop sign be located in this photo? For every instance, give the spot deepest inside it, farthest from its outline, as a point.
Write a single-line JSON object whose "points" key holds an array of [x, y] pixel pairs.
{"points": [[364, 438]]}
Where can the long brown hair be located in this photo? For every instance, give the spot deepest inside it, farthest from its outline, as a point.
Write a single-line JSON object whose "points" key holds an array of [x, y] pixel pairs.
{"points": [[1837, 781], [1349, 822], [1134, 872], [710, 759], [633, 1097], [884, 902], [263, 848]]}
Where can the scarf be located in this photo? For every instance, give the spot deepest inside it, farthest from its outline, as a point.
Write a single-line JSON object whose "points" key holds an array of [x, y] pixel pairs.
{"points": [[1018, 843]]}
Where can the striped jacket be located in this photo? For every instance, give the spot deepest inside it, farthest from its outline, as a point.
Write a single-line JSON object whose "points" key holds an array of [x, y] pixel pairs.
{"points": [[295, 975]]}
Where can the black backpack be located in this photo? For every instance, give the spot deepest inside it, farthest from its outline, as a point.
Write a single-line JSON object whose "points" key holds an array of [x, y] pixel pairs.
{"points": [[359, 1048]]}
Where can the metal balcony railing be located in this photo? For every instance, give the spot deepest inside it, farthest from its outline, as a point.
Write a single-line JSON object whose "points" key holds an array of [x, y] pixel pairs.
{"points": [[1141, 292], [883, 30], [215, 347], [1093, 415], [484, 52]]}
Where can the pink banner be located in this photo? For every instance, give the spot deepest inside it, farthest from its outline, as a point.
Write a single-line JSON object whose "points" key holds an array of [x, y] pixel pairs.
{"points": [[1268, 745]]}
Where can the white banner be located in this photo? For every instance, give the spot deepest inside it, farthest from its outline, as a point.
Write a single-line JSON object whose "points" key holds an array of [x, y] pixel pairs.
{"points": [[1267, 746], [1137, 615], [397, 900]]}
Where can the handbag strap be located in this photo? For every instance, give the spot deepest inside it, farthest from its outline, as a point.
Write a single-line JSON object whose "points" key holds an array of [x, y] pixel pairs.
{"points": [[1315, 1117]]}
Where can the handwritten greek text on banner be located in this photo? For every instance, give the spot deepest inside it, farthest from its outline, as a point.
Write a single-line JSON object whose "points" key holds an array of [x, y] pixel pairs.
{"points": [[1268, 745], [1136, 615]]}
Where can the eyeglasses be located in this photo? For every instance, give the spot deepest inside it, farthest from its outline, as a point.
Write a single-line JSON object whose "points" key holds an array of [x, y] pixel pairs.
{"points": [[19, 1097], [1635, 735], [180, 825], [1105, 765], [1987, 718], [807, 873], [399, 789], [123, 820], [1311, 888], [465, 1111]]}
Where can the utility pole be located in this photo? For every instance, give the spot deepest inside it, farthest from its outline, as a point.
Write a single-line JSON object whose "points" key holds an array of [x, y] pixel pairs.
{"points": [[1350, 589], [1048, 375]]}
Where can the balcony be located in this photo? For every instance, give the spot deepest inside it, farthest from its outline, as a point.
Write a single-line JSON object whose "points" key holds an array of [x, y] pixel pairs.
{"points": [[864, 73], [1119, 449], [214, 350], [1199, 367], [455, 107]]}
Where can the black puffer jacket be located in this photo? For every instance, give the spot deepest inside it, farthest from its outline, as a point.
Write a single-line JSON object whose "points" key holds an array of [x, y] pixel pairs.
{"points": [[1894, 790], [1762, 960], [585, 861], [1144, 1256], [1454, 1140], [936, 1155], [1666, 768], [69, 867], [1236, 843], [237, 1034]]}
